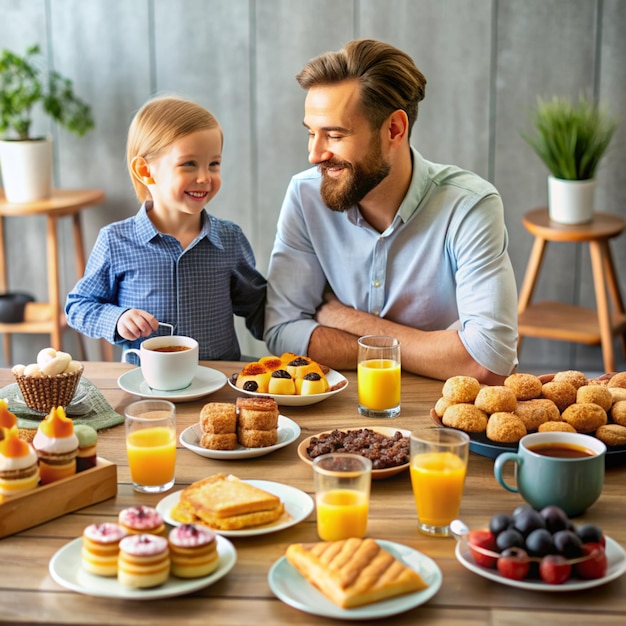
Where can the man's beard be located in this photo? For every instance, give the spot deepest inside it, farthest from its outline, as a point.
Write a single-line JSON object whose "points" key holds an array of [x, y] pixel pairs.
{"points": [[356, 181]]}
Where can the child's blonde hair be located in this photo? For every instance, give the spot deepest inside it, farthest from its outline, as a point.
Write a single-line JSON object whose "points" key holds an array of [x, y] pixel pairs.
{"points": [[157, 125]]}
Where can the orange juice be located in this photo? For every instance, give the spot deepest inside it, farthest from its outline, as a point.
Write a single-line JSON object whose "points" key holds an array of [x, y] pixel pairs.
{"points": [[151, 455], [379, 384], [341, 513], [437, 479]]}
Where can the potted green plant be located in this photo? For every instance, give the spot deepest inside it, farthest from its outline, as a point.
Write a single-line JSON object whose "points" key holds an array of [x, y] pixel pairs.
{"points": [[570, 138], [26, 159]]}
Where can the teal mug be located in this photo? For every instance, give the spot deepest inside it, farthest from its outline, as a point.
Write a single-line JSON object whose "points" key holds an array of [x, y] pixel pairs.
{"points": [[556, 468]]}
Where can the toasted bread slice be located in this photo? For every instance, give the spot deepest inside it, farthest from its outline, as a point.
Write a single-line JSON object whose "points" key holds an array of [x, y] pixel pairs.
{"points": [[353, 572], [218, 499], [182, 513]]}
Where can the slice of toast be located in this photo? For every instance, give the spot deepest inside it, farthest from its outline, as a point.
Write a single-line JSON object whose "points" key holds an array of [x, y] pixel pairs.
{"points": [[224, 501], [353, 572]]}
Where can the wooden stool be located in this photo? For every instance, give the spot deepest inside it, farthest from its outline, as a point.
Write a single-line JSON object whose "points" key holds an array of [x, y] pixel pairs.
{"points": [[47, 317], [567, 322]]}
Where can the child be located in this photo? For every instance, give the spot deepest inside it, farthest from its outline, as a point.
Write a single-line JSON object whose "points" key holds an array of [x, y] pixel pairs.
{"points": [[172, 262]]}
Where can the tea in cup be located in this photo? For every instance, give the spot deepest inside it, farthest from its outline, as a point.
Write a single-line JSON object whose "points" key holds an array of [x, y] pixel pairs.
{"points": [[556, 468], [168, 362]]}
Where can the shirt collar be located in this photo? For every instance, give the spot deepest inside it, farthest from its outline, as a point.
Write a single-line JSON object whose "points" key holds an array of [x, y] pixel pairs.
{"points": [[420, 181], [147, 231]]}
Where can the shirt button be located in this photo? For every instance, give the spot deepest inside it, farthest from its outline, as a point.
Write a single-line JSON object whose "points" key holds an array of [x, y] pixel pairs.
{"points": [[376, 283]]}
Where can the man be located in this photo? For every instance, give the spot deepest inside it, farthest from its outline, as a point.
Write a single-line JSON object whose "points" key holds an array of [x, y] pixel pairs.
{"points": [[377, 240]]}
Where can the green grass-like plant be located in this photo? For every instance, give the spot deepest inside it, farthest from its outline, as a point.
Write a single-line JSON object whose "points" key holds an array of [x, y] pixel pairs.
{"points": [[23, 84], [570, 138]]}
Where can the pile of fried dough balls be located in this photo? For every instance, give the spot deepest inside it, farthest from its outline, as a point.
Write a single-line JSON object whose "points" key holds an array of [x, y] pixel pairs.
{"points": [[567, 401]]}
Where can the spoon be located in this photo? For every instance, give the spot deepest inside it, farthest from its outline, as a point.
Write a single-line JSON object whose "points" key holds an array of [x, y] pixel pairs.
{"points": [[459, 529]]}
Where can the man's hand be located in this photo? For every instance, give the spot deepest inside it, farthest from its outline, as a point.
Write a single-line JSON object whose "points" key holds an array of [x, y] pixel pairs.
{"points": [[136, 323]]}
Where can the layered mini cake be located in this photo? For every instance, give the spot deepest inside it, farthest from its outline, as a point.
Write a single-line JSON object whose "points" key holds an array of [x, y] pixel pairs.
{"points": [[193, 551], [141, 519], [56, 446], [19, 471], [100, 548], [143, 561], [87, 447]]}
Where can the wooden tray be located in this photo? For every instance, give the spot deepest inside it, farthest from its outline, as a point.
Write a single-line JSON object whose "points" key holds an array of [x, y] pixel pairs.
{"points": [[58, 498]]}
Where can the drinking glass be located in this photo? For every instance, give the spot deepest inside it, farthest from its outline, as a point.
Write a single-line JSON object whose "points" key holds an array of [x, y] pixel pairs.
{"points": [[342, 492], [378, 376], [151, 444], [438, 467]]}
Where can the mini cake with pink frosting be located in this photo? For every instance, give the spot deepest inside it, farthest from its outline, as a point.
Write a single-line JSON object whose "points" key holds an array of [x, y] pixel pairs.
{"points": [[57, 446], [144, 561], [100, 548], [141, 519], [18, 464], [193, 551]]}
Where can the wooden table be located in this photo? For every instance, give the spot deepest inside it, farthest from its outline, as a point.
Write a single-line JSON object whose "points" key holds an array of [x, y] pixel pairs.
{"points": [[47, 317], [29, 595], [569, 322]]}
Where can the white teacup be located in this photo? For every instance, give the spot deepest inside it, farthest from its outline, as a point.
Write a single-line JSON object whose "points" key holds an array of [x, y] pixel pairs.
{"points": [[167, 363]]}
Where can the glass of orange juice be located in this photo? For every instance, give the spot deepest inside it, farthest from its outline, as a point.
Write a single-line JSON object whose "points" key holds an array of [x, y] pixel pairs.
{"points": [[342, 494], [378, 376], [151, 444], [438, 467]]}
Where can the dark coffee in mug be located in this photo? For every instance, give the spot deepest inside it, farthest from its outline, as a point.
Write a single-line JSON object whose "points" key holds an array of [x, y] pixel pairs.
{"points": [[171, 349], [561, 450]]}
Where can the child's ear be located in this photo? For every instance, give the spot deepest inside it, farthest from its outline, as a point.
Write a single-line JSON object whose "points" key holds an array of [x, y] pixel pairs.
{"points": [[141, 170]]}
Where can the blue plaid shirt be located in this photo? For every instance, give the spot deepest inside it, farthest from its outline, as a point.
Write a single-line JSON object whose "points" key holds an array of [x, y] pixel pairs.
{"points": [[197, 290]]}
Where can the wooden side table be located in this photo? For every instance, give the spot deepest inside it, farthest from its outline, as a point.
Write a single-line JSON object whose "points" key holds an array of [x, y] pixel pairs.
{"points": [[47, 317], [567, 322]]}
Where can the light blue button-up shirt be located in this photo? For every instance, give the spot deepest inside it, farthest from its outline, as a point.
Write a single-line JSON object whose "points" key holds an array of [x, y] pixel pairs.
{"points": [[196, 290], [442, 263]]}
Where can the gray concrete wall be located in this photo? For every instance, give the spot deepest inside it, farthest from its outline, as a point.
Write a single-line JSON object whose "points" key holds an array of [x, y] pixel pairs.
{"points": [[486, 61]]}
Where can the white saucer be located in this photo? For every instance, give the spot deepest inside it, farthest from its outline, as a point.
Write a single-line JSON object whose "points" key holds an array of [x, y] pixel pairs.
{"points": [[66, 569], [298, 506], [293, 589], [205, 381], [288, 431]]}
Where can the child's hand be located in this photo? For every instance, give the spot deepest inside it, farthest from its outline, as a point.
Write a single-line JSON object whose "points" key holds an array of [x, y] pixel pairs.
{"points": [[136, 323]]}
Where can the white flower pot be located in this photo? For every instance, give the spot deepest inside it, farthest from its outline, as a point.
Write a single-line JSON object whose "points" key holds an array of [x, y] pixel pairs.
{"points": [[26, 169], [571, 201]]}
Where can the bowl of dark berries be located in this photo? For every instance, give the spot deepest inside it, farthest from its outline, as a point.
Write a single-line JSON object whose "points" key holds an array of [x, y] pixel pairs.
{"points": [[542, 550]]}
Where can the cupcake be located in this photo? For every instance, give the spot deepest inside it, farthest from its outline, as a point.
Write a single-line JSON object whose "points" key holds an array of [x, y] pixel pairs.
{"points": [[18, 464], [141, 519], [87, 447], [193, 551], [56, 446], [143, 561], [100, 548]]}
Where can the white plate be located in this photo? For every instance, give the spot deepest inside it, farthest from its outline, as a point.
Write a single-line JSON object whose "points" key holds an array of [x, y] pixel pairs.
{"points": [[298, 506], [205, 381], [66, 569], [614, 552], [288, 431], [333, 378], [293, 589]]}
